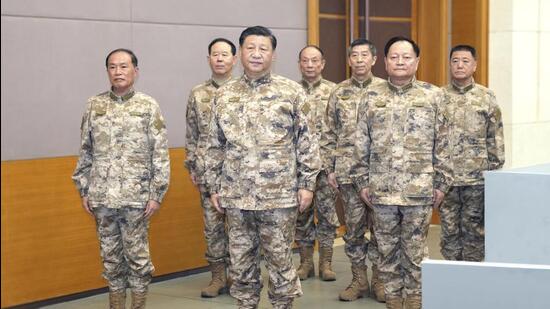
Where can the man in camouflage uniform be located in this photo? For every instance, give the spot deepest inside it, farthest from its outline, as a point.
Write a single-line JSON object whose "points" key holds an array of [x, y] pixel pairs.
{"points": [[337, 142], [477, 140], [122, 175], [403, 168], [311, 62], [262, 162], [221, 58]]}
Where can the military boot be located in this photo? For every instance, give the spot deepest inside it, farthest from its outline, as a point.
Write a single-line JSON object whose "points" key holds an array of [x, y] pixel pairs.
{"points": [[218, 283], [359, 284], [377, 286], [325, 267], [394, 302], [413, 302], [306, 268], [117, 300], [138, 300]]}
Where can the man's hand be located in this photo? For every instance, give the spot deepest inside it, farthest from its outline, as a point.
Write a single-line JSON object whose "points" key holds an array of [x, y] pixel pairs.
{"points": [[304, 199], [332, 181], [365, 196], [86, 205], [215, 199], [438, 198], [152, 207], [193, 179]]}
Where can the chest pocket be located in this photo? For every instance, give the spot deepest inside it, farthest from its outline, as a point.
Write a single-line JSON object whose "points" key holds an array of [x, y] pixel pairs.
{"points": [[136, 130], [274, 122], [231, 121], [379, 126], [475, 121], [420, 128], [101, 131]]}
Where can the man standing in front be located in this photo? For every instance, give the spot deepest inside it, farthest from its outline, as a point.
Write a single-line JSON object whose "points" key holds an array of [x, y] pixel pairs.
{"points": [[403, 168], [311, 62], [221, 59], [122, 175], [262, 163], [337, 143], [477, 140]]}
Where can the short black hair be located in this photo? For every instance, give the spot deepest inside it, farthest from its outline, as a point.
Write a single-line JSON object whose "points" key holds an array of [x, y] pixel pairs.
{"points": [[312, 46], [463, 47], [216, 40], [396, 39], [129, 52], [258, 30], [362, 41]]}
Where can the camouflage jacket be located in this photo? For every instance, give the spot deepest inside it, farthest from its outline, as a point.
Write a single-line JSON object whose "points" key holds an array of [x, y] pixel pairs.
{"points": [[260, 148], [338, 138], [402, 151], [197, 119], [476, 134], [124, 158]]}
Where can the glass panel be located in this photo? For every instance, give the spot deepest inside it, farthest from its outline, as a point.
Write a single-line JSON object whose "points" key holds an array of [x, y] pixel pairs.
{"points": [[333, 42], [332, 6]]}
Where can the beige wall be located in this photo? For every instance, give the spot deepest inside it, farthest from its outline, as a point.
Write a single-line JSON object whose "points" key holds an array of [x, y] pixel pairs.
{"points": [[519, 73]]}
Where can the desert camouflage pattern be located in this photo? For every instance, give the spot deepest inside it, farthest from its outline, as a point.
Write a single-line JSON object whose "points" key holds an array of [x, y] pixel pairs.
{"points": [[124, 245], [476, 134], [462, 224], [124, 159], [338, 138], [402, 148], [402, 234], [215, 232], [250, 232], [318, 94], [199, 106], [260, 147]]}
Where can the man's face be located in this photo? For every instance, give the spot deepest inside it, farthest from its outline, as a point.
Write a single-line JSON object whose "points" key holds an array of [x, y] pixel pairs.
{"points": [[401, 61], [256, 55], [361, 61], [311, 64], [463, 65], [121, 71], [221, 60]]}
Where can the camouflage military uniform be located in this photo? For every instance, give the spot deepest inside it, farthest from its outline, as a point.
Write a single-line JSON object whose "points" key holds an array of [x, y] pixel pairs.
{"points": [[402, 154], [338, 141], [324, 201], [123, 164], [260, 152], [477, 141], [197, 119]]}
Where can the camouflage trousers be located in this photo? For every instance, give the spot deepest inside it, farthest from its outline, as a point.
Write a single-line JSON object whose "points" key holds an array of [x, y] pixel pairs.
{"points": [[462, 224], [214, 230], [124, 243], [358, 217], [324, 205], [402, 233], [270, 231]]}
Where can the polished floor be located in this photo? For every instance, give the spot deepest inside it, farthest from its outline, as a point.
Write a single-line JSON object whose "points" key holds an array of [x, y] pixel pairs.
{"points": [[184, 292]]}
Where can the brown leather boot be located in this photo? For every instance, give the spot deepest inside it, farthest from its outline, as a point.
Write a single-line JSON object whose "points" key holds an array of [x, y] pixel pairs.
{"points": [[359, 284], [218, 283], [393, 302], [325, 267], [413, 302], [377, 286], [138, 300], [306, 268], [117, 300]]}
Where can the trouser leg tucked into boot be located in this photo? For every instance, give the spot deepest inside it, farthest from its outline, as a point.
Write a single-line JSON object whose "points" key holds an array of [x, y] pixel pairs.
{"points": [[325, 264], [359, 284], [377, 286], [117, 300], [413, 302], [138, 300], [306, 268], [394, 302], [218, 283]]}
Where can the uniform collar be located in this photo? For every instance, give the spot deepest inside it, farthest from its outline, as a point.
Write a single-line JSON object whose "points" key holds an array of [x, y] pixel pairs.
{"points": [[307, 85], [123, 98], [463, 90], [401, 89], [257, 82], [362, 84], [218, 83]]}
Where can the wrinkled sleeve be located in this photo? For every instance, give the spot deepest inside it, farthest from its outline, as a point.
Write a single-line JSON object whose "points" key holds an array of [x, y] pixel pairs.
{"points": [[495, 136], [191, 135], [330, 136], [443, 169], [215, 151], [307, 146], [81, 174], [361, 154], [160, 158]]}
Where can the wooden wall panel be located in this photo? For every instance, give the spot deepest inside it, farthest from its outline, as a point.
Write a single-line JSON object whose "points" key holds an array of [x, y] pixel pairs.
{"points": [[49, 244]]}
